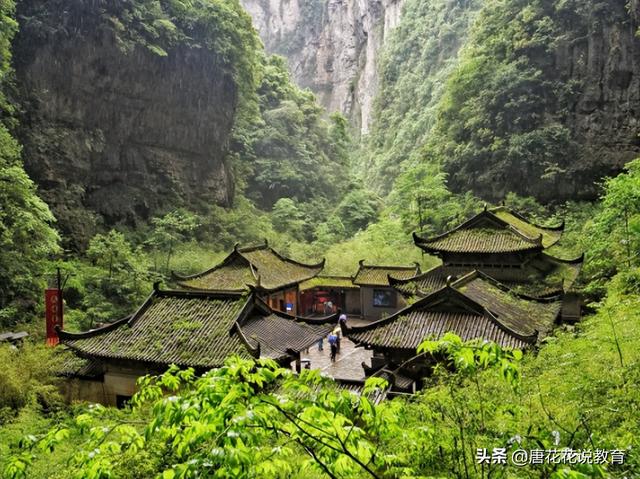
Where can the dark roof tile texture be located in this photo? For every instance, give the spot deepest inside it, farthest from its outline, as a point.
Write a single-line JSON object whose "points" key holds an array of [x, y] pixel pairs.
{"points": [[172, 329], [422, 284], [253, 266], [522, 315], [233, 276], [277, 334], [497, 230], [479, 240], [409, 330], [379, 275]]}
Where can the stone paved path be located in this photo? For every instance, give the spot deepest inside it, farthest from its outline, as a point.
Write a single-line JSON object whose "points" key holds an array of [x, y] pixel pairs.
{"points": [[348, 363]]}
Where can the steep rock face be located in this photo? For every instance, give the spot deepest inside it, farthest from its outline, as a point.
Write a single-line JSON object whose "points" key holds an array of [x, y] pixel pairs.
{"points": [[121, 134], [606, 117], [331, 47]]}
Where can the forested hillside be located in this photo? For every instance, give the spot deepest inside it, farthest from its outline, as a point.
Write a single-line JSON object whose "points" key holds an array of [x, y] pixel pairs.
{"points": [[497, 93], [144, 137]]}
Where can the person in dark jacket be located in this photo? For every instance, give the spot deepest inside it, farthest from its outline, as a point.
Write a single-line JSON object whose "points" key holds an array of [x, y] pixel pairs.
{"points": [[333, 343]]}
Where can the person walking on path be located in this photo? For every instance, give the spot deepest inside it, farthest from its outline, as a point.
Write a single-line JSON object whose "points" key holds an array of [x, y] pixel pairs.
{"points": [[321, 344], [338, 334], [333, 343]]}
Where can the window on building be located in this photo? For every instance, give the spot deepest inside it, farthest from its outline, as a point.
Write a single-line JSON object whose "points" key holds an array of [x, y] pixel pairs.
{"points": [[384, 298]]}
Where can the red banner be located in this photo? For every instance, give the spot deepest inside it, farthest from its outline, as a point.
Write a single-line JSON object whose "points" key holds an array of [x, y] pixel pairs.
{"points": [[53, 314]]}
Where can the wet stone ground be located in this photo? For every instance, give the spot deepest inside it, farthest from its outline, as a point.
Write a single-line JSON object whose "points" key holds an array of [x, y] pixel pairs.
{"points": [[348, 364]]}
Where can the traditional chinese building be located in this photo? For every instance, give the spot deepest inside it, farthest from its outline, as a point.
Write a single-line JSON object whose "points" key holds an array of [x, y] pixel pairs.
{"points": [[475, 306], [198, 329], [496, 282], [377, 297], [275, 278], [505, 246]]}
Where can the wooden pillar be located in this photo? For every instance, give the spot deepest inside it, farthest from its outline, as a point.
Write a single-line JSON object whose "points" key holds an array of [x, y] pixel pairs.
{"points": [[298, 363], [296, 307]]}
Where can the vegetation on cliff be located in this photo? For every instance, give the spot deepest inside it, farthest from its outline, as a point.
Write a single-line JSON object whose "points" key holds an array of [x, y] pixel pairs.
{"points": [[497, 93], [26, 233]]}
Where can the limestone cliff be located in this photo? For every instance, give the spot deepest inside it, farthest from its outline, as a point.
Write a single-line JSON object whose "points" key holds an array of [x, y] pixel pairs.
{"points": [[115, 134], [332, 47], [604, 59]]}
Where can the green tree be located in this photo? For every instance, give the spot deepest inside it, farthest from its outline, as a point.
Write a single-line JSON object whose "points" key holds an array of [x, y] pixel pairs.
{"points": [[358, 209], [612, 237], [113, 284], [422, 201], [27, 237], [287, 217], [167, 231]]}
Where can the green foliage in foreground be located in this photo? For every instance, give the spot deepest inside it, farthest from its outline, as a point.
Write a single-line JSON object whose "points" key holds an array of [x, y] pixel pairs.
{"points": [[252, 419], [248, 419]]}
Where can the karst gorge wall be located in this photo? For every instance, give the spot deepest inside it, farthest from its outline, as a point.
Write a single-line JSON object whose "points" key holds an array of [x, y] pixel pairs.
{"points": [[332, 47], [115, 133], [337, 49]]}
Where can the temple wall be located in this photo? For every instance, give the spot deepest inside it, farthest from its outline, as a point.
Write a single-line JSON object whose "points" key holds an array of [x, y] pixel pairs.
{"points": [[352, 302], [369, 311], [77, 389], [118, 380], [117, 384]]}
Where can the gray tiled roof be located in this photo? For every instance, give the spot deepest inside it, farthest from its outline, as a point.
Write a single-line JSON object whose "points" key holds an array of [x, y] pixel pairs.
{"points": [[408, 330], [199, 329], [473, 307], [276, 333], [183, 328], [373, 275], [422, 284], [256, 266], [496, 230]]}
